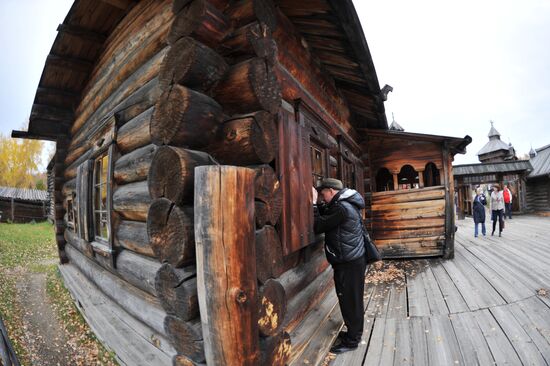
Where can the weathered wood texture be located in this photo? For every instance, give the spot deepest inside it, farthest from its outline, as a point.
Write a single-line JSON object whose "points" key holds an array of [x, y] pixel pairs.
{"points": [[135, 133], [192, 64], [275, 350], [177, 291], [172, 173], [131, 201], [269, 254], [134, 166], [224, 234], [171, 232], [186, 337], [253, 39], [245, 140], [132, 235], [184, 117], [538, 194], [272, 307], [268, 196], [249, 86]]}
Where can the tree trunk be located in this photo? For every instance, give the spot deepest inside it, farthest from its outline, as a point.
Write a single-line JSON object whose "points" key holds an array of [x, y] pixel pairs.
{"points": [[202, 21], [275, 350], [253, 39], [186, 337], [269, 254], [134, 166], [131, 201], [172, 173], [246, 11], [272, 303], [135, 133], [192, 64], [184, 117], [246, 140], [177, 291], [132, 235], [171, 232], [249, 86], [226, 271]]}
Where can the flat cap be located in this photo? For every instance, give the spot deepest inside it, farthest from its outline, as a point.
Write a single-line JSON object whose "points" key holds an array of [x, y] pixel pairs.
{"points": [[330, 183]]}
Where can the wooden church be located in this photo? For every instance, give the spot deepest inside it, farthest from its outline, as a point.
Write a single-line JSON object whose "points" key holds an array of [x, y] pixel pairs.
{"points": [[189, 134]]}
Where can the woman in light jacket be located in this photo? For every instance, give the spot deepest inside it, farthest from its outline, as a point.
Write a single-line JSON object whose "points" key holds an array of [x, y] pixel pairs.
{"points": [[479, 211], [497, 209]]}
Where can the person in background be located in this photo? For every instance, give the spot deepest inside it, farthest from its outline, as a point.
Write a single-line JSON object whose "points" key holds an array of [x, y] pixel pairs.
{"points": [[507, 193], [339, 217], [497, 209], [479, 211]]}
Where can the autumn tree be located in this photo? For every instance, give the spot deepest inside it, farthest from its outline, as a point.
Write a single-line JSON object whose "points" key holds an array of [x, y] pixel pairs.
{"points": [[19, 161]]}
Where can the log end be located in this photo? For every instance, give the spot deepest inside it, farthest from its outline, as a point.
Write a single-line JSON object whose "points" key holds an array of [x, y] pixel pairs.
{"points": [[272, 307]]}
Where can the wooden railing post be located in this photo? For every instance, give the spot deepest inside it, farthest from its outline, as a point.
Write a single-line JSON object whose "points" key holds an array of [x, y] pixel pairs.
{"points": [[226, 264]]}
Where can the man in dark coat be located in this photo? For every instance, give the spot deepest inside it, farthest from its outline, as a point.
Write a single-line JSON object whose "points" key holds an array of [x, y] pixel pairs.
{"points": [[339, 217], [479, 211]]}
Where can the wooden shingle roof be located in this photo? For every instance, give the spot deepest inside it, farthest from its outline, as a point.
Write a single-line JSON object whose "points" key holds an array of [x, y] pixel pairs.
{"points": [[23, 194]]}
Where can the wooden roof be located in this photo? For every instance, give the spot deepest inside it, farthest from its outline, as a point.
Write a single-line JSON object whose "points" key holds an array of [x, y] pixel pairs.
{"points": [[541, 162], [490, 168], [69, 64], [332, 31], [23, 194]]}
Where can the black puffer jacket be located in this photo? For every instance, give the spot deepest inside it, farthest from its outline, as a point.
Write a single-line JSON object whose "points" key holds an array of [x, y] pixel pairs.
{"points": [[342, 224]]}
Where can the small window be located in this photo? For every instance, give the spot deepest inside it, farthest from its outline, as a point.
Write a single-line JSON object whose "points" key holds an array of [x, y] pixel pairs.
{"points": [[384, 180], [431, 175], [407, 178], [318, 163], [100, 212], [70, 213]]}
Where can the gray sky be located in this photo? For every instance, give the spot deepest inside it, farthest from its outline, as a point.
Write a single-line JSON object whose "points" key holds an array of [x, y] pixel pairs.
{"points": [[453, 65]]}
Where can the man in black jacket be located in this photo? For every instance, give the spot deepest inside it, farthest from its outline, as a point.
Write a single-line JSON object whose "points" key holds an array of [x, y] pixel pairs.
{"points": [[339, 217]]}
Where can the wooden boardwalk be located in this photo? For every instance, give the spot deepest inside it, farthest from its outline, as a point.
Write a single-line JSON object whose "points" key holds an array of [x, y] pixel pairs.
{"points": [[490, 305]]}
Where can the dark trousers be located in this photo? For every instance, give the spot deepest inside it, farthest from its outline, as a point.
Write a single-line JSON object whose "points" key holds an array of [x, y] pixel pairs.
{"points": [[497, 215], [508, 212], [349, 280]]}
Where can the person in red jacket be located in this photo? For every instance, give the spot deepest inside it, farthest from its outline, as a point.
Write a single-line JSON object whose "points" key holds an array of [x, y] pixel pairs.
{"points": [[507, 193]]}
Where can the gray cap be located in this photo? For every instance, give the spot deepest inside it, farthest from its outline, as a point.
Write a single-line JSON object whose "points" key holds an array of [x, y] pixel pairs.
{"points": [[330, 183]]}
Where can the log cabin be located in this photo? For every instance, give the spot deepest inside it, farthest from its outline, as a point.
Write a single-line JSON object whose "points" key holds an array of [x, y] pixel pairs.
{"points": [[538, 181], [188, 136], [22, 205]]}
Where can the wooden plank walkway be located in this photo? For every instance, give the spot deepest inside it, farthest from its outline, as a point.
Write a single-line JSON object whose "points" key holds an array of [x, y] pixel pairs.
{"points": [[490, 305]]}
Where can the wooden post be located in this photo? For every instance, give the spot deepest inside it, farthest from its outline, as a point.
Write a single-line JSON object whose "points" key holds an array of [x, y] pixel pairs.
{"points": [[226, 264], [421, 178], [449, 251], [12, 211], [395, 182]]}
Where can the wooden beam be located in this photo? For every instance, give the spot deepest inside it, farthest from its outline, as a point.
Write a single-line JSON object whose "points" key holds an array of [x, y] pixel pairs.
{"points": [[74, 64], [226, 264], [47, 112], [82, 33], [120, 4]]}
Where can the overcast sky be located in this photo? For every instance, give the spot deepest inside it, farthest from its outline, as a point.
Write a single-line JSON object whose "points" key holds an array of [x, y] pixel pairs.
{"points": [[453, 65]]}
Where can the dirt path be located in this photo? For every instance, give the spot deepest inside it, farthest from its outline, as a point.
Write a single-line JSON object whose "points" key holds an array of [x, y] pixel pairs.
{"points": [[45, 337]]}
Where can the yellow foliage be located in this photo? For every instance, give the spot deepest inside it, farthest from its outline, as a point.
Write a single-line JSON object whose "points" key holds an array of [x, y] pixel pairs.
{"points": [[19, 160]]}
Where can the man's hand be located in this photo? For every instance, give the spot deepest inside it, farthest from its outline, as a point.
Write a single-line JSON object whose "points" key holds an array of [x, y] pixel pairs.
{"points": [[314, 195]]}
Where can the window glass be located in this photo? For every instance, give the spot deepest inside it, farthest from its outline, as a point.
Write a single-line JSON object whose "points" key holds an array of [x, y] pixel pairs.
{"points": [[100, 197], [318, 163]]}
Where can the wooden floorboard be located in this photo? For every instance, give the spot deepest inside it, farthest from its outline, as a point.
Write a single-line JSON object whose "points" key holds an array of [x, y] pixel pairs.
{"points": [[480, 308]]}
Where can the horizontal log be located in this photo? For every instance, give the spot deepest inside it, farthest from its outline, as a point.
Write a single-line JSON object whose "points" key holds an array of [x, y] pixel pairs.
{"points": [[130, 298], [184, 117], [401, 196], [82, 245], [272, 307], [172, 173], [135, 133], [246, 140], [380, 234], [299, 305], [426, 204], [299, 277], [132, 235], [171, 232], [243, 12], [134, 166], [137, 103], [251, 40], [249, 86], [186, 337], [202, 21], [407, 224], [275, 350], [69, 187], [131, 201], [182, 360], [269, 254], [177, 291], [138, 270], [192, 64]]}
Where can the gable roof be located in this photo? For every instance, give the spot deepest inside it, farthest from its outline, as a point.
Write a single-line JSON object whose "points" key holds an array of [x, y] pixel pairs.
{"points": [[489, 168], [330, 27], [23, 194], [541, 162]]}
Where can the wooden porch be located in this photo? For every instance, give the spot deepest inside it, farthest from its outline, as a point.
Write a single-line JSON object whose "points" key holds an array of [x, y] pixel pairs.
{"points": [[489, 305]]}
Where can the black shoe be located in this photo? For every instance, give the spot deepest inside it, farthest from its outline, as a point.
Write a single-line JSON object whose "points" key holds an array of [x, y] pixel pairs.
{"points": [[493, 233], [342, 335], [341, 348], [499, 234]]}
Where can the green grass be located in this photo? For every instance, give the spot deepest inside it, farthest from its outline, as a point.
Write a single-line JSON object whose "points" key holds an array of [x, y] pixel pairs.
{"points": [[32, 248]]}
